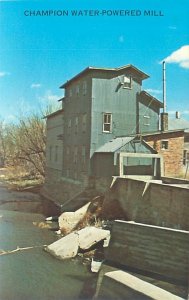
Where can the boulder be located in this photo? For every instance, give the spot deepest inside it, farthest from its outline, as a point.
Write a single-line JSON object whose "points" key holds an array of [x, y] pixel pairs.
{"points": [[69, 220], [90, 236], [66, 247]]}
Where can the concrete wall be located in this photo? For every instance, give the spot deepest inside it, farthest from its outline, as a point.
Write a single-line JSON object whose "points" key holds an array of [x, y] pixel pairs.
{"points": [[157, 250], [122, 285], [152, 203], [60, 189]]}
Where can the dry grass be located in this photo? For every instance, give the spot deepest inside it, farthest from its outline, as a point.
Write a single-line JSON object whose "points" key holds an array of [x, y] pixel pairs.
{"points": [[18, 179], [101, 210]]}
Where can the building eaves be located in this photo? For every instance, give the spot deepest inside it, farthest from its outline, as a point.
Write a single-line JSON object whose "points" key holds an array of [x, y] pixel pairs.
{"points": [[61, 99], [151, 98], [115, 144], [162, 132], [60, 111], [116, 70]]}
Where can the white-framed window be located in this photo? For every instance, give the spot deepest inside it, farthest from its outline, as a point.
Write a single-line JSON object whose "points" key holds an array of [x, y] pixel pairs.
{"points": [[76, 124], [84, 88], [164, 144], [107, 122], [127, 82], [84, 122]]}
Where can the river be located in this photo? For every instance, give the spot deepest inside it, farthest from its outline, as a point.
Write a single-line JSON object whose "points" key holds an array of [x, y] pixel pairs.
{"points": [[33, 274]]}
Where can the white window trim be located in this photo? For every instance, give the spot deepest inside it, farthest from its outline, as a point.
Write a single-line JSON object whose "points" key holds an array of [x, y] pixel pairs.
{"points": [[124, 83], [103, 124]]}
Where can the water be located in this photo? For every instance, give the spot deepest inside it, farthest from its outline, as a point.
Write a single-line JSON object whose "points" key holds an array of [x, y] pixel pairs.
{"points": [[34, 274]]}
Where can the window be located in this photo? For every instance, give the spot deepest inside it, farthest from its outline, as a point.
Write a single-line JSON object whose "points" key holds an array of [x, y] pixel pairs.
{"points": [[84, 122], [77, 90], [75, 155], [70, 92], [83, 154], [76, 124], [127, 82], [164, 145], [68, 151], [146, 120], [84, 88], [56, 153], [185, 157], [69, 126], [107, 122], [50, 153]]}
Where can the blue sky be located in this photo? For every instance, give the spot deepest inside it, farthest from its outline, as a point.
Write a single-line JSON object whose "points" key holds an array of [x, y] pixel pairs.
{"points": [[38, 54]]}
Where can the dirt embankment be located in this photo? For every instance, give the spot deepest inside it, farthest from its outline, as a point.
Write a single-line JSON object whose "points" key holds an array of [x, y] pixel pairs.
{"points": [[19, 193]]}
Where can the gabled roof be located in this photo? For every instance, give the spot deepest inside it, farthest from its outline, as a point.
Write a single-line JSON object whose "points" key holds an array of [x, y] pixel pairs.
{"points": [[60, 111], [149, 97], [177, 123], [115, 144], [141, 74]]}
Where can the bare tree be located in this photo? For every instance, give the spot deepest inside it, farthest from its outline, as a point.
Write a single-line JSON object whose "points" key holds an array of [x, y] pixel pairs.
{"points": [[23, 144]]}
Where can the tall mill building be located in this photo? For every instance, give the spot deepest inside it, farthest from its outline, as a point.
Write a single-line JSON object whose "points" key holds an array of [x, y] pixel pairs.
{"points": [[104, 112]]}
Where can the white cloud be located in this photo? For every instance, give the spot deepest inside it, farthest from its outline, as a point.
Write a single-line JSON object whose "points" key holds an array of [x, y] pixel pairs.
{"points": [[3, 74], [185, 112], [180, 57], [50, 100], [154, 91], [49, 96], [171, 112], [35, 85], [185, 64]]}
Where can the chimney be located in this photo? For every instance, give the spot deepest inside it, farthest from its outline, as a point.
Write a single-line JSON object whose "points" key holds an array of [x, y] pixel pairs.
{"points": [[164, 115], [164, 121], [177, 115]]}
